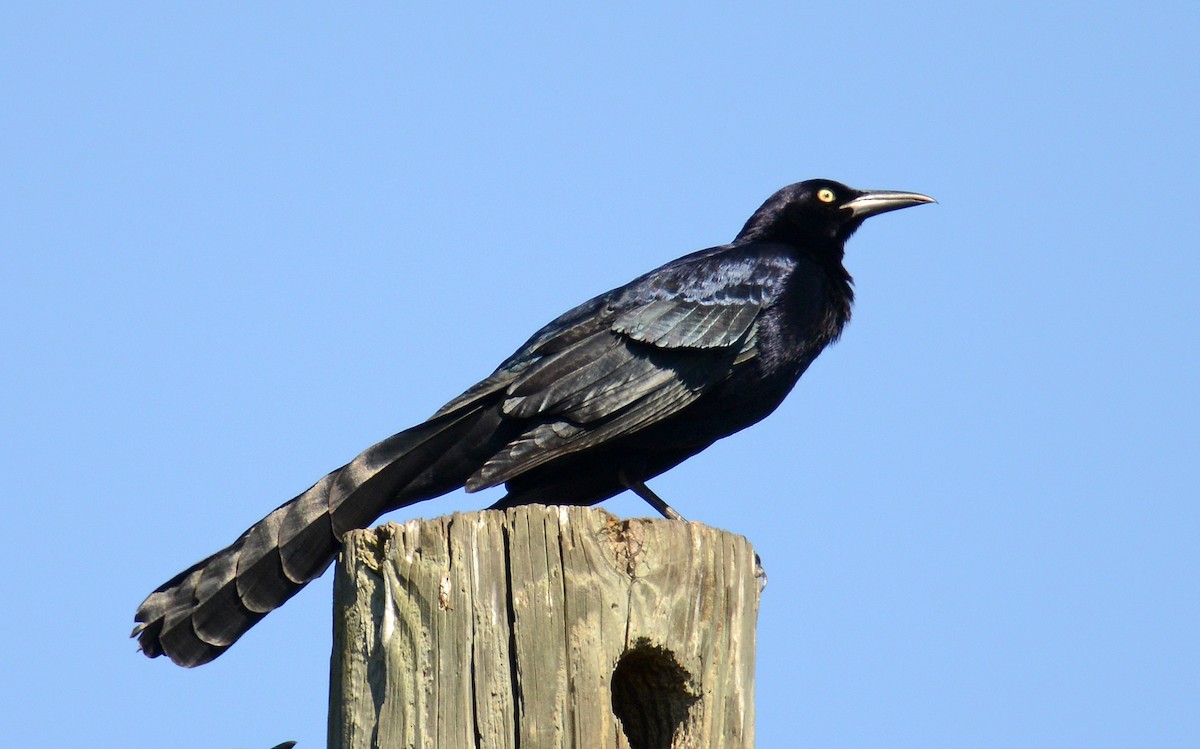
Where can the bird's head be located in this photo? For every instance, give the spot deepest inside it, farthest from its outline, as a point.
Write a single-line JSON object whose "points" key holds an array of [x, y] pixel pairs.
{"points": [[821, 210]]}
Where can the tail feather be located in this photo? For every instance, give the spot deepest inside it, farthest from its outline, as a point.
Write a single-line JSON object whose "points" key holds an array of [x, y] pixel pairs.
{"points": [[199, 613]]}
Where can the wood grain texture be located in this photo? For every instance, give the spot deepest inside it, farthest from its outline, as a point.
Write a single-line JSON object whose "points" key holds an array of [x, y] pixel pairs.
{"points": [[505, 629]]}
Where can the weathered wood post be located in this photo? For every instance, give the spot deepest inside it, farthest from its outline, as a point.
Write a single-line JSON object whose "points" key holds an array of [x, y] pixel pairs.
{"points": [[544, 627]]}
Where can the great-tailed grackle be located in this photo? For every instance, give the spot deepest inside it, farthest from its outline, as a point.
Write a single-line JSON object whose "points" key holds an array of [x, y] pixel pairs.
{"points": [[614, 392]]}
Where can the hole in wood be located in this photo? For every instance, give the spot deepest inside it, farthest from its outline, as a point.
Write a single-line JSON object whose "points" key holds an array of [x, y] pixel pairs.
{"points": [[650, 695]]}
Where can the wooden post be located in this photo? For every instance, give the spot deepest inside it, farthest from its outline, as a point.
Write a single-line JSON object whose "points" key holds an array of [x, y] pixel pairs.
{"points": [[544, 628]]}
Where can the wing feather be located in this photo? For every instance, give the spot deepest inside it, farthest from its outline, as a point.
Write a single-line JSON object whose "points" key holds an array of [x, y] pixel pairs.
{"points": [[621, 362], [676, 323], [551, 440], [649, 362]]}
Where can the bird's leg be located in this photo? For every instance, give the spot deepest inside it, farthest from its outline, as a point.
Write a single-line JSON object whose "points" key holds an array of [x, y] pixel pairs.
{"points": [[639, 488]]}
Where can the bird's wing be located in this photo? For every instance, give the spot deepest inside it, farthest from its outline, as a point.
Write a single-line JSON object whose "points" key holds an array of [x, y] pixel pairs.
{"points": [[586, 320], [636, 365], [706, 300], [480, 391], [583, 354], [672, 323]]}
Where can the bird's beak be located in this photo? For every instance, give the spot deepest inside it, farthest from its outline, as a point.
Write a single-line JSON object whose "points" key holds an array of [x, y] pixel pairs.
{"points": [[871, 202]]}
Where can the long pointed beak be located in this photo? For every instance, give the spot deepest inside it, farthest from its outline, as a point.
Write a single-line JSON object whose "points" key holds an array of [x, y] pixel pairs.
{"points": [[872, 202]]}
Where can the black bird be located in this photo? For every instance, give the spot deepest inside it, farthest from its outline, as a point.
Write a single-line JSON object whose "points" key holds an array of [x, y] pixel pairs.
{"points": [[616, 391]]}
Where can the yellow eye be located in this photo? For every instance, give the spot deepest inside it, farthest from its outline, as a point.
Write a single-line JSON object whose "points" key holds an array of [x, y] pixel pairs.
{"points": [[825, 195]]}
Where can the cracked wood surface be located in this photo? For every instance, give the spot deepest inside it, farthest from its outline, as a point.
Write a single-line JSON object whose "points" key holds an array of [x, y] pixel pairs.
{"points": [[503, 629]]}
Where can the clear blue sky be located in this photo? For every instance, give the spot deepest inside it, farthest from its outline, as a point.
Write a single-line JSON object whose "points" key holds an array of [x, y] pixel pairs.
{"points": [[241, 243]]}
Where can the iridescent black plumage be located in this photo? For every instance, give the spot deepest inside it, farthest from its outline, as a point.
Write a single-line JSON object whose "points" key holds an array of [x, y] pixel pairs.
{"points": [[610, 394]]}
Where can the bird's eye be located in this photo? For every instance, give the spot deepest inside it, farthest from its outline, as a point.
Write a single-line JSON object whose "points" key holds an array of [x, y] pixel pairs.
{"points": [[825, 195]]}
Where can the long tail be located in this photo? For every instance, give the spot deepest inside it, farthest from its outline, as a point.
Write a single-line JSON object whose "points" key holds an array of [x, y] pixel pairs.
{"points": [[196, 615]]}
